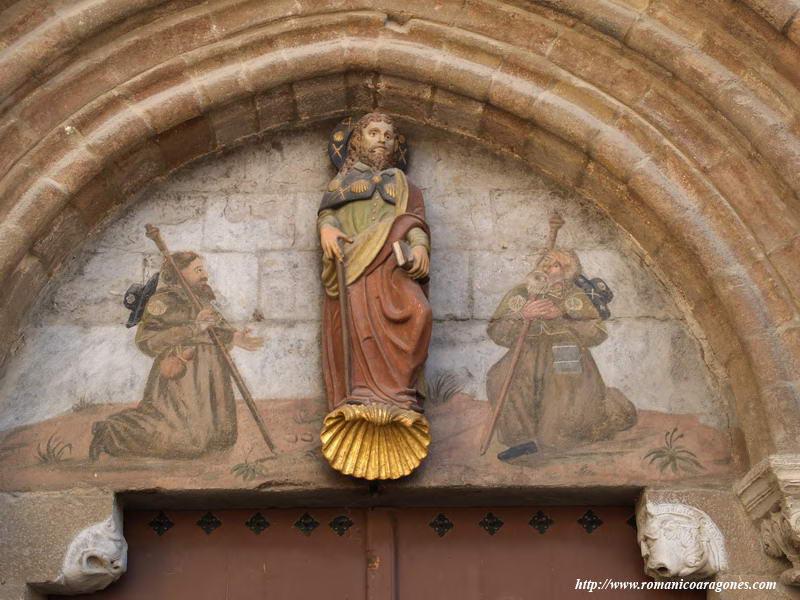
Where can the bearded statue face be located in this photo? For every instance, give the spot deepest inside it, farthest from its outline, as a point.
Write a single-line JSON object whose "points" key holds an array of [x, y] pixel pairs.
{"points": [[377, 144]]}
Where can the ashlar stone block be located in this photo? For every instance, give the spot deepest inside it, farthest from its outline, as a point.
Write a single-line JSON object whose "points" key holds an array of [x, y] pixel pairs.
{"points": [[290, 288]]}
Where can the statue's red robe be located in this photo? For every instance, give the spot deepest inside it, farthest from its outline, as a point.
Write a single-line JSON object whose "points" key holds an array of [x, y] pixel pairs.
{"points": [[390, 320]]}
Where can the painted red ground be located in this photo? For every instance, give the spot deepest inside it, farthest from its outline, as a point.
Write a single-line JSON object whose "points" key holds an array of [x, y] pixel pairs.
{"points": [[294, 424]]}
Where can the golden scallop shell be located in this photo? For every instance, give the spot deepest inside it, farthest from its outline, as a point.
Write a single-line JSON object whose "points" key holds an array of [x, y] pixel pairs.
{"points": [[375, 441]]}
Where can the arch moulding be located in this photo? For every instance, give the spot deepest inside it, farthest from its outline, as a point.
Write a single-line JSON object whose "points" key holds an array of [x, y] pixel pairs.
{"points": [[677, 120]]}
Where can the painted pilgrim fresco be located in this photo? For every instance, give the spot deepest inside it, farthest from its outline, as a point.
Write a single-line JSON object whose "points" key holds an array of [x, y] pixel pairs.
{"points": [[547, 390], [610, 380], [188, 407]]}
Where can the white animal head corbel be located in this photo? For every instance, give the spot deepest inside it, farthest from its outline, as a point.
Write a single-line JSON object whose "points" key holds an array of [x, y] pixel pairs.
{"points": [[96, 557], [679, 541]]}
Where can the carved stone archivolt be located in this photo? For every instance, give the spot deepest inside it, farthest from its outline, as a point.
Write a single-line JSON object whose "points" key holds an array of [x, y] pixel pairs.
{"points": [[96, 557], [679, 541], [770, 493]]}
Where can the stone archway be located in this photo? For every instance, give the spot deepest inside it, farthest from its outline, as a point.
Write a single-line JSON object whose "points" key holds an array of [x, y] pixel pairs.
{"points": [[643, 139], [677, 120]]}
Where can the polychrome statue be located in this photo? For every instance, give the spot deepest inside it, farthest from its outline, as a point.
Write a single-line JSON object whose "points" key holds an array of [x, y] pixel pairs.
{"points": [[375, 241]]}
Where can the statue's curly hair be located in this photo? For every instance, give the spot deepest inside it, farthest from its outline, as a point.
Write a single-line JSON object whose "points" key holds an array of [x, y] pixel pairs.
{"points": [[354, 145]]}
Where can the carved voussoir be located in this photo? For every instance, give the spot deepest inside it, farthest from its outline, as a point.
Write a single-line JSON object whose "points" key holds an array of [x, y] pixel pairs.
{"points": [[96, 557], [770, 493], [679, 541]]}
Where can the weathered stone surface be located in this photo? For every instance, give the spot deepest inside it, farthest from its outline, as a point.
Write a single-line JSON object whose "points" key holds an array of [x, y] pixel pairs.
{"points": [[777, 12], [403, 97], [61, 242], [234, 278], [452, 294], [34, 547], [250, 222], [95, 201], [186, 142], [179, 218], [121, 370], [25, 282], [234, 122], [742, 539], [464, 349], [794, 30], [679, 542], [289, 366], [131, 173], [288, 292], [657, 367], [275, 107]]}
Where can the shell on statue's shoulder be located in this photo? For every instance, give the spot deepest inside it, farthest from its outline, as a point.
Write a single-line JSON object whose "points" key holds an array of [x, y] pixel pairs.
{"points": [[360, 183], [340, 138]]}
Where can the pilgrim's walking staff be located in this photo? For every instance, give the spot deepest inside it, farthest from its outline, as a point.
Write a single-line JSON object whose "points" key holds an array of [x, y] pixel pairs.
{"points": [[556, 222], [154, 234]]}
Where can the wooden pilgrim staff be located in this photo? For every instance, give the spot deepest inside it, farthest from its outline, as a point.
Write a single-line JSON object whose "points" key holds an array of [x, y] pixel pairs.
{"points": [[344, 315], [154, 234], [556, 222]]}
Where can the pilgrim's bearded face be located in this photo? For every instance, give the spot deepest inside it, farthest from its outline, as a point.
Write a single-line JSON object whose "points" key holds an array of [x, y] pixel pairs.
{"points": [[378, 143], [553, 268], [195, 273]]}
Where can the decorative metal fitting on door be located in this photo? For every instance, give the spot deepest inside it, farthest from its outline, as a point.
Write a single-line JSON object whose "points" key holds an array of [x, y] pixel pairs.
{"points": [[491, 523], [257, 523], [161, 524], [590, 521], [341, 524], [540, 522], [441, 525], [306, 524], [209, 523]]}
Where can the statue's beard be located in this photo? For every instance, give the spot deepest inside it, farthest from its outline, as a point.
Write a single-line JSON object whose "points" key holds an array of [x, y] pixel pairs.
{"points": [[377, 158]]}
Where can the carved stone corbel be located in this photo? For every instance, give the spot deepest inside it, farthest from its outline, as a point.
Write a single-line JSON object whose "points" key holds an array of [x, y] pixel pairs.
{"points": [[96, 557], [770, 493], [679, 541]]}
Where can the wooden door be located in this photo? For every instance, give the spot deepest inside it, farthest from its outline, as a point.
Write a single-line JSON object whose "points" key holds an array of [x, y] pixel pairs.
{"points": [[499, 553]]}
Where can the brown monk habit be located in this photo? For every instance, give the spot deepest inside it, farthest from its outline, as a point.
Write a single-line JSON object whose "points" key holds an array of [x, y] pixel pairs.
{"points": [[185, 415], [390, 326]]}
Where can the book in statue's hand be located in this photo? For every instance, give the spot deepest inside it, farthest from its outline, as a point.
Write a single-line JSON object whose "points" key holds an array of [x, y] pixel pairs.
{"points": [[402, 253]]}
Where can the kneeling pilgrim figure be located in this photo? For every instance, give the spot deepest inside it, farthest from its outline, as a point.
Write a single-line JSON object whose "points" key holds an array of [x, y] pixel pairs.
{"points": [[188, 407], [555, 397]]}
